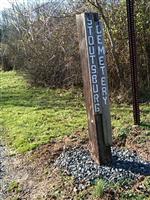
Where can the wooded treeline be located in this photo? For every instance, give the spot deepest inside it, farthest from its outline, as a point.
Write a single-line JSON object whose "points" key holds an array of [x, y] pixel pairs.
{"points": [[40, 41]]}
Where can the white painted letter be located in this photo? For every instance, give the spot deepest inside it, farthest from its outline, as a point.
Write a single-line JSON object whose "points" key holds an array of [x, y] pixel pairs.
{"points": [[101, 60], [96, 98], [101, 50], [91, 50], [95, 88], [89, 22], [102, 69], [99, 39], [92, 57], [98, 29], [91, 40], [97, 107], [105, 99], [104, 91], [103, 81], [94, 78], [90, 30], [93, 69]]}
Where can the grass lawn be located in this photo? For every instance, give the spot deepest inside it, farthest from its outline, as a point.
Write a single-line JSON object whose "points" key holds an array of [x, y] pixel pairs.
{"points": [[33, 116]]}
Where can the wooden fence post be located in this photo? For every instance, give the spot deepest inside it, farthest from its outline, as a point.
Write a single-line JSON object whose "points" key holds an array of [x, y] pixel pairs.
{"points": [[94, 73]]}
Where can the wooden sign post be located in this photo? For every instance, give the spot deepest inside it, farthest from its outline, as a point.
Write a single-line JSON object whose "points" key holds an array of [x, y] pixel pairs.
{"points": [[95, 82]]}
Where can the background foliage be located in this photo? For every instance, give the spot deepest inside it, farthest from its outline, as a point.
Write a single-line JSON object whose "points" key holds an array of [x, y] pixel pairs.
{"points": [[40, 41]]}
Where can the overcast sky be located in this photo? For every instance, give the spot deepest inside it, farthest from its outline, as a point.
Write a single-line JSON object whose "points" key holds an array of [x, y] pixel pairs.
{"points": [[3, 4], [6, 4]]}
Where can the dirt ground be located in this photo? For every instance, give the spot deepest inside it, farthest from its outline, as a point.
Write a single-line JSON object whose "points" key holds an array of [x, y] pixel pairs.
{"points": [[33, 176]]}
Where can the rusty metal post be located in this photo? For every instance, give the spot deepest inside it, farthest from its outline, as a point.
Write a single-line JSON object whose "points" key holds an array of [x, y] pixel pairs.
{"points": [[133, 59], [94, 73]]}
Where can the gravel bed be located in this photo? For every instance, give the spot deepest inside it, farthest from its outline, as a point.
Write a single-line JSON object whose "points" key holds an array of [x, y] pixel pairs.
{"points": [[78, 163], [5, 170], [2, 170]]}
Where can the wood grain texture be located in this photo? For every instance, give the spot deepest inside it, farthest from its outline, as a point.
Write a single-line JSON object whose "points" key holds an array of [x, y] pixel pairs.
{"points": [[99, 137]]}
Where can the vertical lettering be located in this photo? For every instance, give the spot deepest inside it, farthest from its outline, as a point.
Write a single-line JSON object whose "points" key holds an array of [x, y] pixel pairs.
{"points": [[91, 40], [104, 91], [90, 30], [95, 88], [94, 78], [102, 70], [101, 60], [103, 81], [93, 68], [96, 98], [105, 100], [91, 50], [98, 29], [89, 22], [99, 39], [93, 62], [101, 50], [97, 107], [92, 59]]}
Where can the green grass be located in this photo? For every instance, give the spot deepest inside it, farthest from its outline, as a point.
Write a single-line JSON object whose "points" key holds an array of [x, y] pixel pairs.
{"points": [[99, 188], [33, 116], [133, 196], [122, 119], [14, 187]]}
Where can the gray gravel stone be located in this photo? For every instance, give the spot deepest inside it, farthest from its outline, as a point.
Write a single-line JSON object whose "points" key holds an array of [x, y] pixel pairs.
{"points": [[125, 165], [2, 171]]}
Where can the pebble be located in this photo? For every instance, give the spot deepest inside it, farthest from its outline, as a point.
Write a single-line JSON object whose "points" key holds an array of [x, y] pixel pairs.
{"points": [[78, 163], [2, 170]]}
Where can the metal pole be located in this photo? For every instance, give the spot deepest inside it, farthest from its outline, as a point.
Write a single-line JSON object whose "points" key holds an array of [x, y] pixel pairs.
{"points": [[133, 60]]}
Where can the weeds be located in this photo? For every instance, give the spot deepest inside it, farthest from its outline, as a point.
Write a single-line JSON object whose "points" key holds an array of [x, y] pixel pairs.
{"points": [[99, 189], [34, 116]]}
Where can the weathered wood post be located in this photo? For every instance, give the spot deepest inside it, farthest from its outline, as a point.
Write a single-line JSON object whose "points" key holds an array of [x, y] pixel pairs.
{"points": [[95, 82]]}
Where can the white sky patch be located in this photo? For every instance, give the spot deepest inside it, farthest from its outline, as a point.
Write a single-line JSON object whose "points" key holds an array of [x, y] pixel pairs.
{"points": [[5, 3]]}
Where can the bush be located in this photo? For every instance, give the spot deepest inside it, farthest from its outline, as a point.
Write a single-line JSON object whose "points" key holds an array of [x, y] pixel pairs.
{"points": [[53, 59], [43, 43], [5, 59]]}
